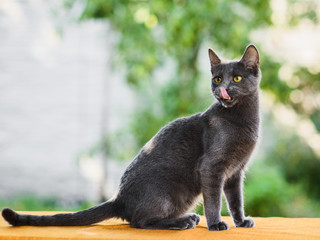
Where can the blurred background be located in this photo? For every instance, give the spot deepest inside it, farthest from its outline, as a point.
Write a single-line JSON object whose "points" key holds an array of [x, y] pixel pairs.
{"points": [[84, 84]]}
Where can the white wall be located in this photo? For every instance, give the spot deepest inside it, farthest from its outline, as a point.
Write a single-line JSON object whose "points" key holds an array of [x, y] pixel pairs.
{"points": [[51, 99]]}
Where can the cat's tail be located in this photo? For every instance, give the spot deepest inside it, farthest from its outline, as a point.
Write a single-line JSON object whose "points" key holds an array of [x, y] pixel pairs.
{"points": [[86, 217]]}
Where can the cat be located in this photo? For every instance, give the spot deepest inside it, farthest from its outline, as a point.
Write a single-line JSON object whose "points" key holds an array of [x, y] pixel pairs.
{"points": [[201, 155]]}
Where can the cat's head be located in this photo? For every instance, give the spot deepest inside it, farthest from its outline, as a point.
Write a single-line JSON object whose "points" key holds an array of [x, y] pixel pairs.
{"points": [[233, 81]]}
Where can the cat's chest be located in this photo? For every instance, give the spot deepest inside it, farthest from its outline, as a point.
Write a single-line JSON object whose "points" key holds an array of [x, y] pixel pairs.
{"points": [[230, 144], [226, 131]]}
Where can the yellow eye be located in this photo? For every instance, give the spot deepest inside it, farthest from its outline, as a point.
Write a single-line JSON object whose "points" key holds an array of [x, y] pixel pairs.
{"points": [[218, 79], [237, 78]]}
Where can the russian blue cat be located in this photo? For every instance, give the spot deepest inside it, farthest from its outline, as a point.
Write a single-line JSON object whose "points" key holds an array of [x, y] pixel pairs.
{"points": [[201, 155]]}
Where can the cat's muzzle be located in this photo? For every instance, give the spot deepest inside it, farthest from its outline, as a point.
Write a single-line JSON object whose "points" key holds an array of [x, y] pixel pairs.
{"points": [[224, 98], [226, 103]]}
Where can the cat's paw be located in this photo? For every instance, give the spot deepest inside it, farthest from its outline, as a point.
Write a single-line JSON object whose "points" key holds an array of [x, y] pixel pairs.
{"points": [[247, 223], [182, 225], [195, 217], [219, 227]]}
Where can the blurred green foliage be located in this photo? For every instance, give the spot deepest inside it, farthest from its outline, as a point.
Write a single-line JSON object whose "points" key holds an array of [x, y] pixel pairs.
{"points": [[36, 203], [168, 35]]}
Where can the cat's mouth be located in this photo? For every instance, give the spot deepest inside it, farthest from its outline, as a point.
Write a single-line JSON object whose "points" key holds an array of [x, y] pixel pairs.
{"points": [[227, 103], [224, 98]]}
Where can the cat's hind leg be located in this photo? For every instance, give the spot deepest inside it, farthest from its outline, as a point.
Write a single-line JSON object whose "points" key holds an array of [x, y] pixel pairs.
{"points": [[187, 221]]}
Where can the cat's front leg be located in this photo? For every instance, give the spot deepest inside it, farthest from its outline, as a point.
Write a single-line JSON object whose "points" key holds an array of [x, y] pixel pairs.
{"points": [[212, 189], [233, 193]]}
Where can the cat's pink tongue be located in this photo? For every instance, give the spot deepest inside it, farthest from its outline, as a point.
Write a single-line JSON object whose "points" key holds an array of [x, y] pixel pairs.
{"points": [[224, 94]]}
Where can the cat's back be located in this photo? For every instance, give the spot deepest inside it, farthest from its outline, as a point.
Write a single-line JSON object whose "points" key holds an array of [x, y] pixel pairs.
{"points": [[181, 132], [175, 141], [174, 149], [168, 159]]}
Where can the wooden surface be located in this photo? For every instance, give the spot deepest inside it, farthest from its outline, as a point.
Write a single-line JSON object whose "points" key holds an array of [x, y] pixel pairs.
{"points": [[266, 228]]}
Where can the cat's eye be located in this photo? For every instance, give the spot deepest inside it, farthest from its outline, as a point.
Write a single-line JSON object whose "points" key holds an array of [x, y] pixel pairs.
{"points": [[237, 78], [218, 79]]}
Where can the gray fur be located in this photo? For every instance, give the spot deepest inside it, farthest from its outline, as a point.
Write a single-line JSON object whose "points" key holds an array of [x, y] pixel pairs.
{"points": [[204, 154]]}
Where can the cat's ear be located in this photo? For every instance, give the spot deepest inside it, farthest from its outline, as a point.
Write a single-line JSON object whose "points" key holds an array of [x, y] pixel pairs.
{"points": [[250, 57], [214, 59]]}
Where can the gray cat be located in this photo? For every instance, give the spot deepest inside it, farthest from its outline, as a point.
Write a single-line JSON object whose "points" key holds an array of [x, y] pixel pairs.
{"points": [[201, 155]]}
